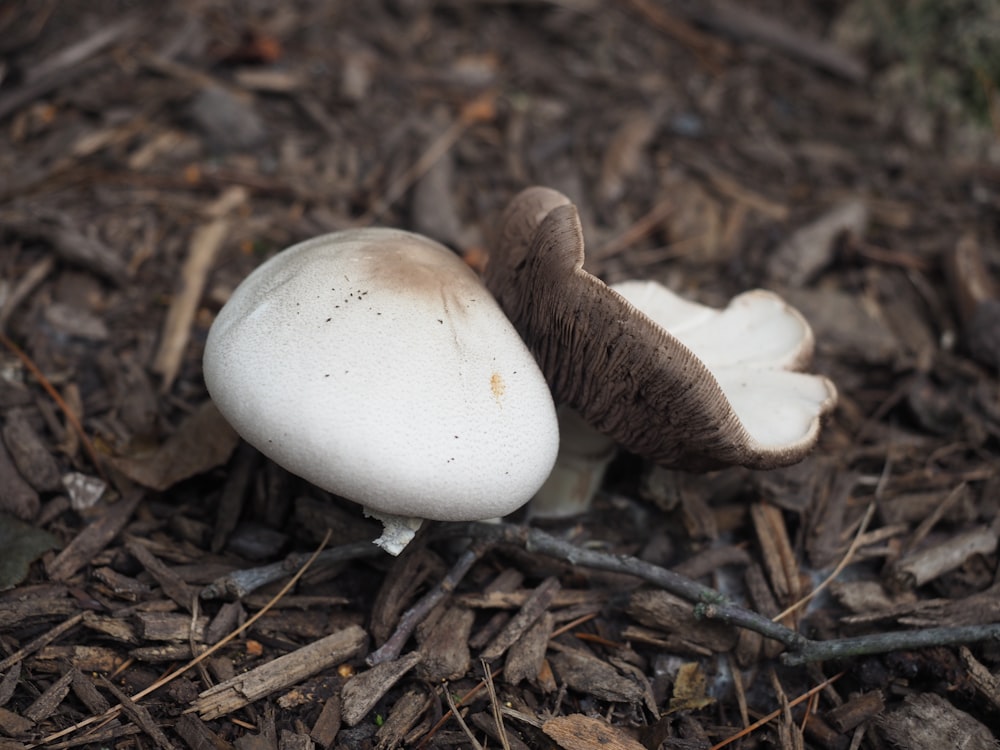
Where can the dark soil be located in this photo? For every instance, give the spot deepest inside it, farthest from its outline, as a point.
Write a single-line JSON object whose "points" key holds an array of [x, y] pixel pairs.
{"points": [[152, 154]]}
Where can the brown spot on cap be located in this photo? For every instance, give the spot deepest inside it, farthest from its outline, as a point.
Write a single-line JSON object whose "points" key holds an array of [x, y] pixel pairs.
{"points": [[497, 386]]}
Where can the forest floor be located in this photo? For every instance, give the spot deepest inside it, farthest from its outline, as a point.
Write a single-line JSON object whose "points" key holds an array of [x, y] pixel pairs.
{"points": [[844, 155]]}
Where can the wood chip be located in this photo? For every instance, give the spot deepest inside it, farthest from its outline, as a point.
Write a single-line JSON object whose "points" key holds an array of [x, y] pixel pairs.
{"points": [[169, 626], [922, 566], [198, 736], [516, 599], [408, 572], [171, 584], [434, 211], [85, 689], [670, 614], [14, 725], [779, 557], [527, 656], [94, 659], [405, 714], [139, 714], [122, 586], [586, 673], [31, 455], [752, 25], [534, 606], [825, 544], [928, 720], [280, 673], [205, 244], [17, 497], [580, 732], [71, 244], [986, 683], [324, 731], [506, 740], [624, 154], [294, 741], [977, 297], [94, 538], [364, 690], [444, 645], [856, 711], [9, 682]]}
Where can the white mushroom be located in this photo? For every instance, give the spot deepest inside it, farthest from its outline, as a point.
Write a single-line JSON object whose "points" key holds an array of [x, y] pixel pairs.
{"points": [[375, 364], [753, 347], [678, 383]]}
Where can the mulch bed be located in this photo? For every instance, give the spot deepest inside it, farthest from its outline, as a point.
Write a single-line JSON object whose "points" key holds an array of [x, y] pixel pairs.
{"points": [[153, 154]]}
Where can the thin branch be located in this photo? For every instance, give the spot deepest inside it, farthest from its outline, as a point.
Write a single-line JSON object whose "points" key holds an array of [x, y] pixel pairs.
{"points": [[712, 605], [460, 719], [708, 602], [241, 583], [777, 712], [883, 643], [495, 704], [419, 611]]}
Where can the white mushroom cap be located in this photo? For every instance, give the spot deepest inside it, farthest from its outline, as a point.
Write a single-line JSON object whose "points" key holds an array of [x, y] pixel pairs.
{"points": [[751, 347], [375, 364]]}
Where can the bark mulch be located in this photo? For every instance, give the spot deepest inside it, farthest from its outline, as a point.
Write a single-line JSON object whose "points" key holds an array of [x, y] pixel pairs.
{"points": [[163, 585]]}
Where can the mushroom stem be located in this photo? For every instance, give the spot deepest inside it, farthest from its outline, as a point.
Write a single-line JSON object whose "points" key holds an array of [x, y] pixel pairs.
{"points": [[397, 531], [584, 456]]}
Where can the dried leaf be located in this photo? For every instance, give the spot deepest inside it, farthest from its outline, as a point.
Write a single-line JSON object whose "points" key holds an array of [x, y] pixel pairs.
{"points": [[690, 689], [203, 441], [22, 544]]}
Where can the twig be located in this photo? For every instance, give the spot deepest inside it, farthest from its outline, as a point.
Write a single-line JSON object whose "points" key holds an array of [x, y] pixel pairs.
{"points": [[642, 227], [495, 704], [711, 52], [711, 605], [777, 712], [883, 643], [460, 719], [241, 583], [416, 614], [71, 62]]}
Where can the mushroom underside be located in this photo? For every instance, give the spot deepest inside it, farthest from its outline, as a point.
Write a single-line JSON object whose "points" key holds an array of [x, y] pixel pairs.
{"points": [[633, 379]]}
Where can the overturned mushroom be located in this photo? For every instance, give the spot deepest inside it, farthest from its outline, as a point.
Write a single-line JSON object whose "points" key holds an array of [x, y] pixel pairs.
{"points": [[717, 388], [375, 364]]}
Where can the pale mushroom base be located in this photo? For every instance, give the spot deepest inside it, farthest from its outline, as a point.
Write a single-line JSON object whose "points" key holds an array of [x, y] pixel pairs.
{"points": [[375, 364], [397, 531]]}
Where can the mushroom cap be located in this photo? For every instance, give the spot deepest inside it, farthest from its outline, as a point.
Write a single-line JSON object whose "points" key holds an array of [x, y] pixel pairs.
{"points": [[376, 365], [715, 389]]}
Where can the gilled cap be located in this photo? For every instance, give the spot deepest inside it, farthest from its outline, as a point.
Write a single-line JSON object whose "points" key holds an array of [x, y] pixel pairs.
{"points": [[678, 383]]}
